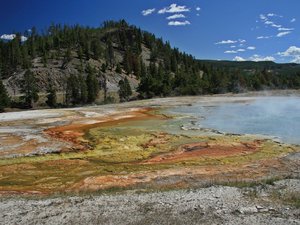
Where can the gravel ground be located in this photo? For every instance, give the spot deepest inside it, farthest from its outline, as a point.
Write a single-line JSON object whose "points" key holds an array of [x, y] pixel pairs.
{"points": [[213, 205]]}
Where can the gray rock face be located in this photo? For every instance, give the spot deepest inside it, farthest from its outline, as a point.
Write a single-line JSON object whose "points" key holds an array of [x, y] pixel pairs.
{"points": [[213, 205], [58, 74]]}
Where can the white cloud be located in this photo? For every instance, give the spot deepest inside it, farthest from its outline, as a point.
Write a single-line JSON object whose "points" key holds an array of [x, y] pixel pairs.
{"points": [[174, 8], [232, 46], [179, 23], [23, 38], [268, 22], [281, 34], [230, 52], [291, 51], [239, 59], [198, 8], [276, 26], [258, 58], [296, 60], [293, 20], [147, 12], [263, 17], [273, 15], [264, 37], [251, 48], [255, 58], [9, 37], [241, 50], [285, 29], [271, 23], [226, 42], [175, 16]]}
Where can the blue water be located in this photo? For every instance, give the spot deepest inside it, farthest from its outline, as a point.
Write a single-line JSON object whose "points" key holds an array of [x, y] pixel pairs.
{"points": [[272, 116]]}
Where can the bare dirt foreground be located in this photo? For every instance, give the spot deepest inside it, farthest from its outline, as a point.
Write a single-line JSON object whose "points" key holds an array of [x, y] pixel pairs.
{"points": [[214, 205], [129, 166]]}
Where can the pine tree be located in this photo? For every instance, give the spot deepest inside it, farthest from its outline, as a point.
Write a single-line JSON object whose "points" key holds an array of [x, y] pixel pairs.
{"points": [[127, 61], [136, 66], [92, 85], [80, 53], [26, 64], [72, 90], [96, 49], [124, 90], [174, 63], [29, 89], [32, 43], [103, 67], [83, 89], [118, 69], [103, 85], [143, 69], [16, 57], [4, 98], [67, 58], [110, 55], [127, 87], [51, 96], [86, 49]]}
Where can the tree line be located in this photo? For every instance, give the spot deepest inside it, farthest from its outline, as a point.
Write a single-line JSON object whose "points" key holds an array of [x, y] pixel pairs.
{"points": [[165, 71]]}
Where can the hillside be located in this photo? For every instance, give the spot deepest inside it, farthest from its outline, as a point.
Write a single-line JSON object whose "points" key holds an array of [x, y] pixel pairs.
{"points": [[279, 69], [53, 58], [63, 57]]}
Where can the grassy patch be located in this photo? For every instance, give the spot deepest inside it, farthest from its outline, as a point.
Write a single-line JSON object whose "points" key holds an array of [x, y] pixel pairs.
{"points": [[293, 199], [253, 183]]}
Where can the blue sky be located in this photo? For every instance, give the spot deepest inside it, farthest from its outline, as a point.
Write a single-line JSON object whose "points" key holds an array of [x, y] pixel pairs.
{"points": [[208, 29]]}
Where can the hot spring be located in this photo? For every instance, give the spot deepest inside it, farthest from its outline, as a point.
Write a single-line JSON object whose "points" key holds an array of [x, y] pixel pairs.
{"points": [[276, 117]]}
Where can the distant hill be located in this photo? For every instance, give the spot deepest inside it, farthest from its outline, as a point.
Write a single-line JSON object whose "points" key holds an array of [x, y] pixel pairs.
{"points": [[282, 68], [62, 57]]}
